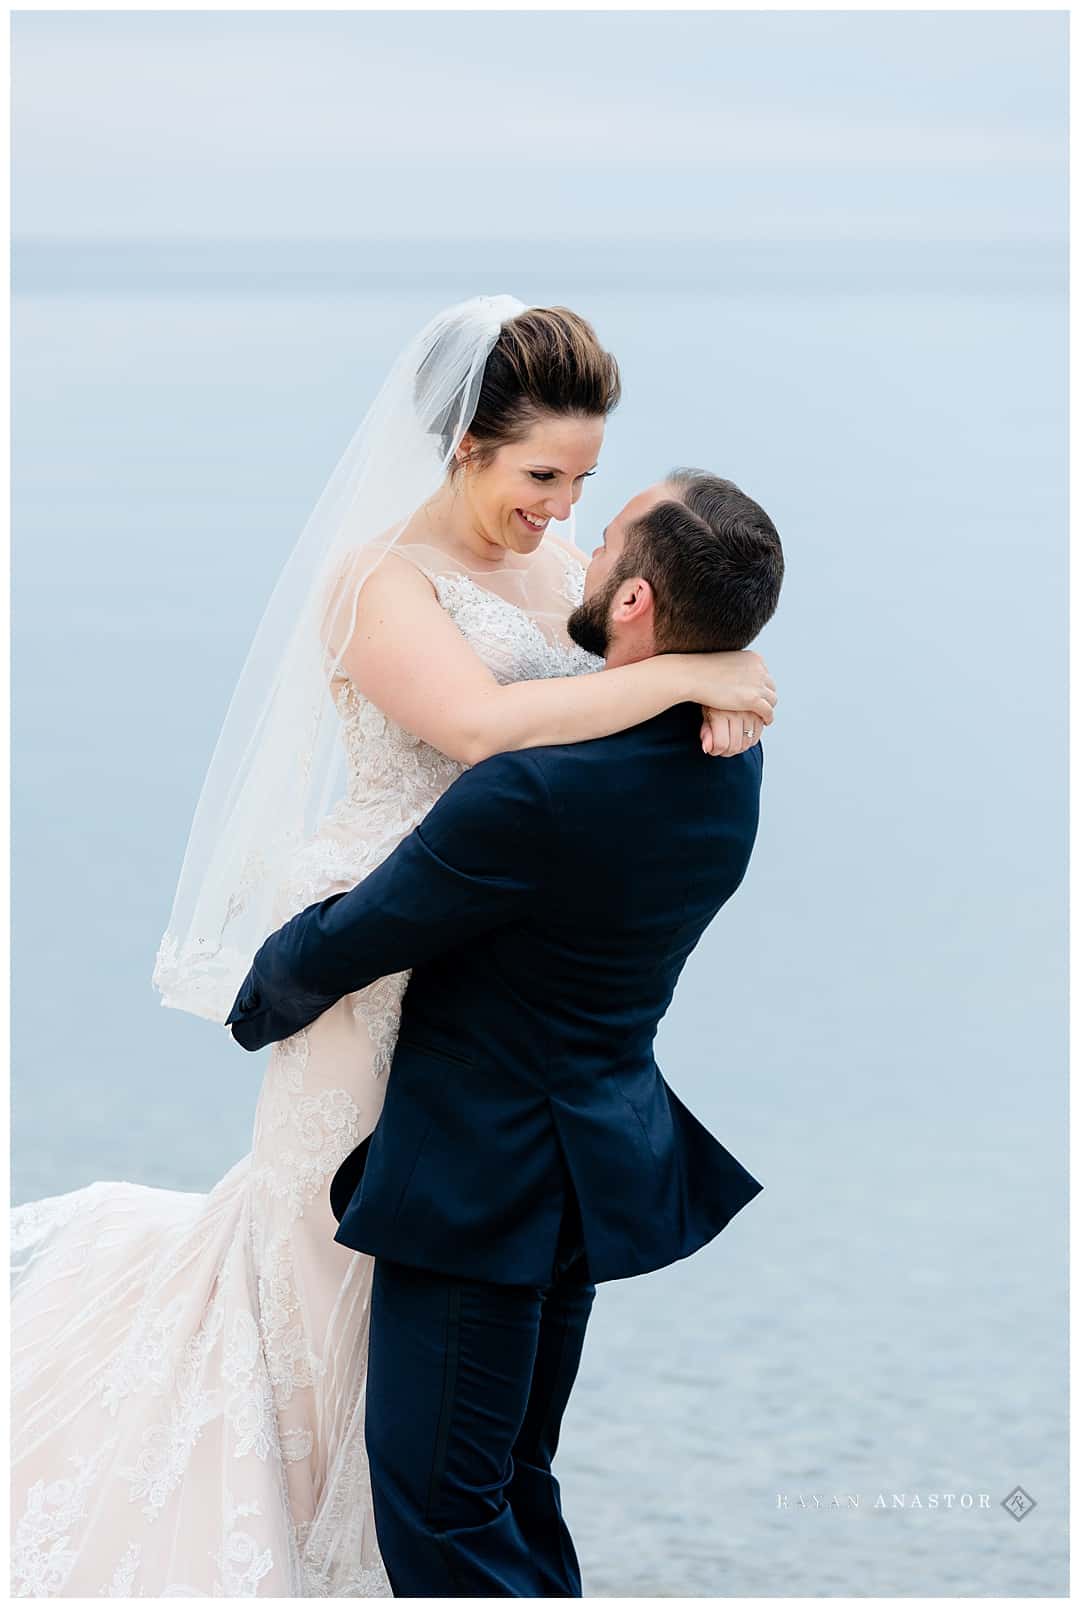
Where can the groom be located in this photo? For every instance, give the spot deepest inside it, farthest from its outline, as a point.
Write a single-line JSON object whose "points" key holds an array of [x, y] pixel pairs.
{"points": [[528, 1147]]}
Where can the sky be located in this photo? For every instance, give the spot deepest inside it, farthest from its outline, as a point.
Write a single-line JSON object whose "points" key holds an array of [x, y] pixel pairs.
{"points": [[544, 126]]}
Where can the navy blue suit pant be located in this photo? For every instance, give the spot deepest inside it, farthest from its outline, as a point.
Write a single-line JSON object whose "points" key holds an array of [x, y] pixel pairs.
{"points": [[467, 1385]]}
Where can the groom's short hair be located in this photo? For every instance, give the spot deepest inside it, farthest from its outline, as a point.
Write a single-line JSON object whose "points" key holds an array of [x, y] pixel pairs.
{"points": [[713, 559]]}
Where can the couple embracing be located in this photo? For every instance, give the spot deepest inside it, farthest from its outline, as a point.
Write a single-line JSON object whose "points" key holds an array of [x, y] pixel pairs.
{"points": [[484, 800]]}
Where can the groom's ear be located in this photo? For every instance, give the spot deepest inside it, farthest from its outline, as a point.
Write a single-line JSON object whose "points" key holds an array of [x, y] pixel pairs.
{"points": [[634, 602]]}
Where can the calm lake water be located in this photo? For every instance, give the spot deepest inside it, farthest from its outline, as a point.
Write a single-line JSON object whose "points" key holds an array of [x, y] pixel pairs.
{"points": [[876, 1025]]}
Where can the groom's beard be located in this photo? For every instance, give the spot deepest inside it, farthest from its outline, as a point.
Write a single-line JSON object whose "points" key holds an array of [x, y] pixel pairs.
{"points": [[588, 625]]}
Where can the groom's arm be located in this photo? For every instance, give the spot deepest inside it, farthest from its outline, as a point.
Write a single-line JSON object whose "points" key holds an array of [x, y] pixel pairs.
{"points": [[473, 863]]}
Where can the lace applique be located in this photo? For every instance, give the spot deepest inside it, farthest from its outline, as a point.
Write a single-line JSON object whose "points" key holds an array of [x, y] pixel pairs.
{"points": [[249, 1406], [372, 1581], [144, 1359], [282, 1087], [296, 1444], [252, 875], [323, 1128], [378, 1009], [290, 1362], [205, 978], [241, 1562], [327, 1127], [292, 1055], [167, 1448], [387, 766], [572, 579], [41, 1552], [123, 1576], [328, 864]]}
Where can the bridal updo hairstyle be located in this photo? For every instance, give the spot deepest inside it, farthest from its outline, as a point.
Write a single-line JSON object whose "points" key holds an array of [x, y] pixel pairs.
{"points": [[547, 360]]}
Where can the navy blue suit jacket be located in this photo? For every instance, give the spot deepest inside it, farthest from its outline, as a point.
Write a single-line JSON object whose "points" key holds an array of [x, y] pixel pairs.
{"points": [[546, 906]]}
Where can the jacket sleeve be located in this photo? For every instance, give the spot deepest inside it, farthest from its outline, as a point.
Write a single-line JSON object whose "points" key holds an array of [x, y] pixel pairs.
{"points": [[475, 862]]}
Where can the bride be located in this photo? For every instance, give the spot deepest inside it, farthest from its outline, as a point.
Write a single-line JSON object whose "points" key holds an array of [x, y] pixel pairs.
{"points": [[189, 1370]]}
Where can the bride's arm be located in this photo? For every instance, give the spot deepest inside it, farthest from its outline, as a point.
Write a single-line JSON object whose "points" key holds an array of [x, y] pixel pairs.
{"points": [[410, 659]]}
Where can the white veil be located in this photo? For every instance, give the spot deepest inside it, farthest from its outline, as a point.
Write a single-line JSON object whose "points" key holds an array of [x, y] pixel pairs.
{"points": [[278, 763]]}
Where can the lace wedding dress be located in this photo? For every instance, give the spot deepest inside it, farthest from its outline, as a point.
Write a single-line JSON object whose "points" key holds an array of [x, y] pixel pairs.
{"points": [[189, 1370]]}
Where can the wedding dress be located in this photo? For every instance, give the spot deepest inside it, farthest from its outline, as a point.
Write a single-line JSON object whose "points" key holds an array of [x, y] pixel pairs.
{"points": [[189, 1370]]}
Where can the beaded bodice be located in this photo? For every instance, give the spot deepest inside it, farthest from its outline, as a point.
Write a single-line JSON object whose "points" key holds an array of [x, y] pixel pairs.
{"points": [[386, 762]]}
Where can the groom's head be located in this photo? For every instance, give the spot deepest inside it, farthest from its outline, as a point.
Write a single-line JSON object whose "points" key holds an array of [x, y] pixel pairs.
{"points": [[692, 565]]}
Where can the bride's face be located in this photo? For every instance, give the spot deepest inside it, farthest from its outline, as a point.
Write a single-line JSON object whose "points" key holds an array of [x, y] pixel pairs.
{"points": [[532, 481]]}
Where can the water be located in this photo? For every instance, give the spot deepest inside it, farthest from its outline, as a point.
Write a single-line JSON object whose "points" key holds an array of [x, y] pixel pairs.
{"points": [[876, 1025]]}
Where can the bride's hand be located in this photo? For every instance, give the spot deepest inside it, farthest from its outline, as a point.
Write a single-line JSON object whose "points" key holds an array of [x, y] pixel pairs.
{"points": [[724, 732], [734, 683]]}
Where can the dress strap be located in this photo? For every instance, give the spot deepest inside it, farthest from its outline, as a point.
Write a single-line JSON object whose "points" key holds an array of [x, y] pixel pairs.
{"points": [[429, 560]]}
